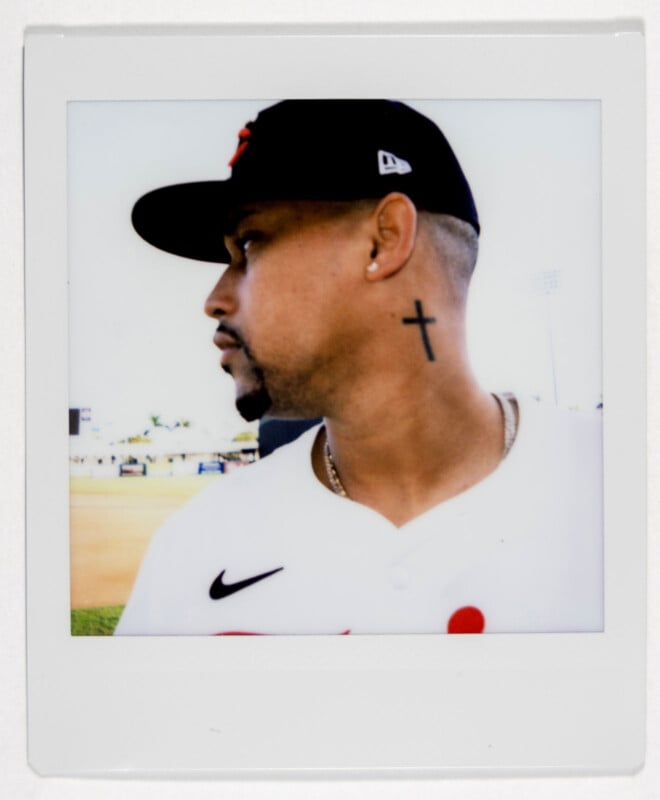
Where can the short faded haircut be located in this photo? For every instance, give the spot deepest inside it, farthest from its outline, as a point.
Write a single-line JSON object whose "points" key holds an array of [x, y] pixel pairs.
{"points": [[457, 244]]}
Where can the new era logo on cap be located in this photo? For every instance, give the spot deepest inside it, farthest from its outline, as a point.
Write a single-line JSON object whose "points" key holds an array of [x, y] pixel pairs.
{"points": [[389, 164]]}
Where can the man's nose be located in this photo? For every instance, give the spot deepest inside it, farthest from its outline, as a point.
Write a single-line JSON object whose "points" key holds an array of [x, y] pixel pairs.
{"points": [[222, 300]]}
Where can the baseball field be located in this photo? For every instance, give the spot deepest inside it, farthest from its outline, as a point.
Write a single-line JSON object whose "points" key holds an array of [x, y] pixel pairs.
{"points": [[112, 521]]}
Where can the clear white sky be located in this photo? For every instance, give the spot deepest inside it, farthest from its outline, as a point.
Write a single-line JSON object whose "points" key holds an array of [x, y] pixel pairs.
{"points": [[140, 343]]}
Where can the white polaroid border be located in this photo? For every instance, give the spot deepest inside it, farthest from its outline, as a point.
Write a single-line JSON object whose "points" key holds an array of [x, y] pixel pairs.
{"points": [[374, 705]]}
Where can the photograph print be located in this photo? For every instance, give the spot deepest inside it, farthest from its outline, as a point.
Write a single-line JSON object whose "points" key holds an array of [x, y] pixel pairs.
{"points": [[335, 367]]}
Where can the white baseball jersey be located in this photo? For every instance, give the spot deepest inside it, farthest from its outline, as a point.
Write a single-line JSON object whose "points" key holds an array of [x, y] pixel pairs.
{"points": [[270, 550]]}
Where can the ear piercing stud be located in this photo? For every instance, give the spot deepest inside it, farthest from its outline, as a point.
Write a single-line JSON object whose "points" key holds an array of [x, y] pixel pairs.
{"points": [[372, 267]]}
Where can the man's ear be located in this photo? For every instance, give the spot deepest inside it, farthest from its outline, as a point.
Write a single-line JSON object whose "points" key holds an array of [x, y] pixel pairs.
{"points": [[394, 230]]}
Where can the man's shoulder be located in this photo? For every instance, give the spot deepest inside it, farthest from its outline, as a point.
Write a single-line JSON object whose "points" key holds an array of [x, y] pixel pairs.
{"points": [[551, 434], [288, 462], [238, 509], [259, 483]]}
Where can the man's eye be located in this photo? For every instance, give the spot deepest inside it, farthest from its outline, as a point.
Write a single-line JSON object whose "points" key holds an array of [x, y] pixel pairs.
{"points": [[244, 243]]}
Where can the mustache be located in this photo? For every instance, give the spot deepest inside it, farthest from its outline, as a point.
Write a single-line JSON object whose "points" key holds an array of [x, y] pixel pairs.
{"points": [[235, 334], [223, 327]]}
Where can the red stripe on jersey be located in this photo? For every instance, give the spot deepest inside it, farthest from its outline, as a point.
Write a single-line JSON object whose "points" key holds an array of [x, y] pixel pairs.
{"points": [[252, 633]]}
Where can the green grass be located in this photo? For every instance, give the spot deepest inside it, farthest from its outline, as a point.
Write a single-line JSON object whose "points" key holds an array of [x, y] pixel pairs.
{"points": [[95, 621]]}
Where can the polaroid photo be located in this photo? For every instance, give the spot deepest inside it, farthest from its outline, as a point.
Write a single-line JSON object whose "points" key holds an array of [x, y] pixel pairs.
{"points": [[335, 402]]}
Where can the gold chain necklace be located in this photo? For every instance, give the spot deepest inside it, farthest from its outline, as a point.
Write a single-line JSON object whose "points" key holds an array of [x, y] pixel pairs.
{"points": [[331, 471], [505, 402]]}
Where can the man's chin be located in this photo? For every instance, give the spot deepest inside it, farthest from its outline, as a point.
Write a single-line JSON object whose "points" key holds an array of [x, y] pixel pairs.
{"points": [[253, 405]]}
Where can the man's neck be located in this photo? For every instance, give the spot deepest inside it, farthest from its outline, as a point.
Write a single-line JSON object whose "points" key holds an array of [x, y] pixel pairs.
{"points": [[411, 448]]}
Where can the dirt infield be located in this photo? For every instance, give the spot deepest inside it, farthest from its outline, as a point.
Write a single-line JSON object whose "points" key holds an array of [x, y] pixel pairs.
{"points": [[112, 520]]}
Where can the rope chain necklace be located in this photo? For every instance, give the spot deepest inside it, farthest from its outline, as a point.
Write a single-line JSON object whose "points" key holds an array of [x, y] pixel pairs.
{"points": [[505, 401]]}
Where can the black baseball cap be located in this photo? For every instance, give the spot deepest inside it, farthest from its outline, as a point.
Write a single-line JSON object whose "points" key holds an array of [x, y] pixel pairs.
{"points": [[311, 150]]}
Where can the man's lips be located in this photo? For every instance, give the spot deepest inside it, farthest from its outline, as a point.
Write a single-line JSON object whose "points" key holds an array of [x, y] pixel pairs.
{"points": [[223, 341], [228, 344]]}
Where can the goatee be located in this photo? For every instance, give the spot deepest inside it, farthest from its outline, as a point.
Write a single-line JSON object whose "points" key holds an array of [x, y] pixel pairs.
{"points": [[253, 405]]}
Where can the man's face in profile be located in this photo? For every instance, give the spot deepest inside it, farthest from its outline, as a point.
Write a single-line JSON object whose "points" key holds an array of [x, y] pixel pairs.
{"points": [[283, 305]]}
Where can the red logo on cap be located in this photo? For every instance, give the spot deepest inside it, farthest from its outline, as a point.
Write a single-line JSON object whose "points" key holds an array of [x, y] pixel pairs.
{"points": [[243, 136]]}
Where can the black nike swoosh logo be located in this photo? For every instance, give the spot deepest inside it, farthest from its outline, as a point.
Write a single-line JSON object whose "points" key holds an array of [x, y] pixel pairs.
{"points": [[220, 589]]}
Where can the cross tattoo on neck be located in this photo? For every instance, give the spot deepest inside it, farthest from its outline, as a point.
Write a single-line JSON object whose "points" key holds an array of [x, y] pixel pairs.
{"points": [[422, 321]]}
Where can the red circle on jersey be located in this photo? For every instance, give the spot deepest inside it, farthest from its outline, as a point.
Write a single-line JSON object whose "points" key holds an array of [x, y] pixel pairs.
{"points": [[466, 620]]}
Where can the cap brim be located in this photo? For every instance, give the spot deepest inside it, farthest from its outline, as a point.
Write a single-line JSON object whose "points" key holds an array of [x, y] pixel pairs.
{"points": [[186, 219]]}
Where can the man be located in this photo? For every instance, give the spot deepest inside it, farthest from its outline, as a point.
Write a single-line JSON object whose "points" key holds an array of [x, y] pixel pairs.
{"points": [[423, 503]]}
